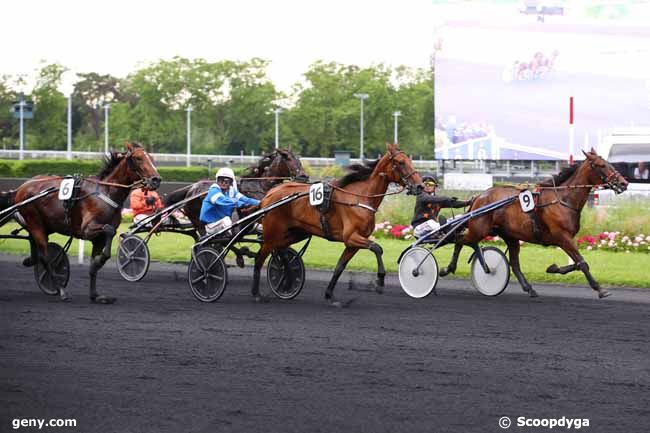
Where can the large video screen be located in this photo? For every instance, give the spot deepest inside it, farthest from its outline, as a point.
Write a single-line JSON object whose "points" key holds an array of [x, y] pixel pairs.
{"points": [[504, 78]]}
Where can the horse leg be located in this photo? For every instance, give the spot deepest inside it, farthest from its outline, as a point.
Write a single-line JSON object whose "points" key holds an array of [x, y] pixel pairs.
{"points": [[451, 267], [348, 253], [100, 254], [513, 252], [262, 254], [381, 271], [579, 264], [39, 245]]}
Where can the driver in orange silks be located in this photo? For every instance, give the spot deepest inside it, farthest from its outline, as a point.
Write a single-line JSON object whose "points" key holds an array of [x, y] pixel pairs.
{"points": [[144, 204]]}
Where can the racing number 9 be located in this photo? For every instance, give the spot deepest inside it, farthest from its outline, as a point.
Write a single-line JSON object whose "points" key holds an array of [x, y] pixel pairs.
{"points": [[526, 201]]}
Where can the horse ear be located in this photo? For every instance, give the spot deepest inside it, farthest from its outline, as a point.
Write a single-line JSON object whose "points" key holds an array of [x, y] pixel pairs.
{"points": [[586, 154], [128, 145], [593, 150]]}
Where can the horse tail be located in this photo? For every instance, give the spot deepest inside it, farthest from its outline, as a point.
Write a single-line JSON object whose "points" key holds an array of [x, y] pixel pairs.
{"points": [[7, 199]]}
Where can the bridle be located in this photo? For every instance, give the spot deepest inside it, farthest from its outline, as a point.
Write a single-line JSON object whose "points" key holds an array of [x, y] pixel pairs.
{"points": [[610, 179], [143, 181], [395, 166]]}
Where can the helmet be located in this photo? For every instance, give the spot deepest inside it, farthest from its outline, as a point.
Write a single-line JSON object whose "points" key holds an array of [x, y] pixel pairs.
{"points": [[226, 172], [430, 177]]}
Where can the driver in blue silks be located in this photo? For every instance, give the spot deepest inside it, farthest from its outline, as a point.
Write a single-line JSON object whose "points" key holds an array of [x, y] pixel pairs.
{"points": [[222, 199]]}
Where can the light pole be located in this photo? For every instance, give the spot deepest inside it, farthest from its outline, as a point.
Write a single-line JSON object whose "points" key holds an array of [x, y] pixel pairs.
{"points": [[69, 154], [189, 134], [106, 108], [362, 97], [277, 112], [21, 104], [396, 114]]}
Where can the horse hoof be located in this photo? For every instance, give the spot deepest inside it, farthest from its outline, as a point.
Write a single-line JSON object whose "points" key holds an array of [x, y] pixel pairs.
{"points": [[603, 294], [28, 262], [553, 269], [240, 261], [64, 297], [532, 293], [379, 289], [260, 299], [340, 304], [101, 299], [445, 271]]}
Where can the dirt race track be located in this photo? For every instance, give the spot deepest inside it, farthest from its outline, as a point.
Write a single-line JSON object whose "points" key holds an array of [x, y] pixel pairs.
{"points": [[160, 361]]}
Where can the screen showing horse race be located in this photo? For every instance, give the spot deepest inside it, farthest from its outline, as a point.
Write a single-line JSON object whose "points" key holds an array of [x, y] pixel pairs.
{"points": [[505, 75]]}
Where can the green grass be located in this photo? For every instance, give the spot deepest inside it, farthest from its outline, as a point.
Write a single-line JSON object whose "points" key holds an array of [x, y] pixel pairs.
{"points": [[609, 268]]}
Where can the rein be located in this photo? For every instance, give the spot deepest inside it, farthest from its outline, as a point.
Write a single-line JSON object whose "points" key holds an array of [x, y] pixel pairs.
{"points": [[84, 179]]}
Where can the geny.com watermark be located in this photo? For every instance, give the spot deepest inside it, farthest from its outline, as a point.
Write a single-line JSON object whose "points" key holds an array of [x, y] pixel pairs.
{"points": [[17, 423], [549, 423]]}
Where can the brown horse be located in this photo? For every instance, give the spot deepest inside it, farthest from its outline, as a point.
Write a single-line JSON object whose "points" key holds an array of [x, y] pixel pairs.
{"points": [[554, 221], [256, 180], [94, 213], [350, 219]]}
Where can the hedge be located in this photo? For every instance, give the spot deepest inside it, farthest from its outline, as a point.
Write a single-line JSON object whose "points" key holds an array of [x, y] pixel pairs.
{"points": [[31, 168]]}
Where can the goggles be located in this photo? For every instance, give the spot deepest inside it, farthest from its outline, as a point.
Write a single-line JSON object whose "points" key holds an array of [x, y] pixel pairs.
{"points": [[429, 183], [224, 180]]}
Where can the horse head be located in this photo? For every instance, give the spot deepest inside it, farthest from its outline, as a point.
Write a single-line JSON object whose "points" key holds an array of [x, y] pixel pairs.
{"points": [[140, 165], [602, 171], [286, 164], [400, 169]]}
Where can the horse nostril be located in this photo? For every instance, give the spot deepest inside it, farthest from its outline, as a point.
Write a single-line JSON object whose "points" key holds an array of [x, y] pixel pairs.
{"points": [[155, 181]]}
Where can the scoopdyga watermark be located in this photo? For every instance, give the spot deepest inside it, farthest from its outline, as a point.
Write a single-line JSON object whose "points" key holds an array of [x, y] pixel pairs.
{"points": [[545, 423]]}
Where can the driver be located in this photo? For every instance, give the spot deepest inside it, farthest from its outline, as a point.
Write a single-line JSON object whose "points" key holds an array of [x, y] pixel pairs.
{"points": [[223, 197], [428, 206]]}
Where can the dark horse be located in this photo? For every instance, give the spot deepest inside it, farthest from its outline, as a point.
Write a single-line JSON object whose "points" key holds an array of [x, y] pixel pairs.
{"points": [[350, 218], [271, 170], [94, 213], [554, 221]]}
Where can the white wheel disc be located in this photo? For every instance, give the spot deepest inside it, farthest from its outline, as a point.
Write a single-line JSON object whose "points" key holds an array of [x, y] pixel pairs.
{"points": [[494, 283], [418, 282]]}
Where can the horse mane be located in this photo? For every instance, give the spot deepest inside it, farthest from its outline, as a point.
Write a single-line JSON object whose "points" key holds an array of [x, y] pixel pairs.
{"points": [[562, 176], [357, 172], [258, 169], [111, 160]]}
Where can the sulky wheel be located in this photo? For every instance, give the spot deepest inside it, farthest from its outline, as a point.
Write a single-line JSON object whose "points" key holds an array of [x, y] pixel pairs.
{"points": [[276, 274], [132, 258], [51, 284], [494, 283], [207, 275], [416, 281]]}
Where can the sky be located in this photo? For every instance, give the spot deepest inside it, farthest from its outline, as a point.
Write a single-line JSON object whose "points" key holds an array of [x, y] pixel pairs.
{"points": [[118, 36]]}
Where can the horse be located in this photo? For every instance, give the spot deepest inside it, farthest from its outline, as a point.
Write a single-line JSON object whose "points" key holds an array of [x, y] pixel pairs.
{"points": [[555, 219], [256, 180], [350, 219], [94, 213]]}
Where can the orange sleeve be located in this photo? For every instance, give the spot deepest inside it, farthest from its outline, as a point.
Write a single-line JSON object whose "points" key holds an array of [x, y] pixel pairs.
{"points": [[138, 204]]}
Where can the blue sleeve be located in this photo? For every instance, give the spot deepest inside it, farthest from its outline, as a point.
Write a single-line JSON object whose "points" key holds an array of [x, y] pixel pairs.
{"points": [[220, 199], [243, 201]]}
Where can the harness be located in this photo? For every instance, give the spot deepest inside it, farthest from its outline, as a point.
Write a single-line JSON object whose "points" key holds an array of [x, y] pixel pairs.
{"points": [[324, 208], [328, 192]]}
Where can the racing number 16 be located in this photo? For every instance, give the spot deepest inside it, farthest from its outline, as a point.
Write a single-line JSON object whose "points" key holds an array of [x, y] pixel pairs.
{"points": [[316, 194]]}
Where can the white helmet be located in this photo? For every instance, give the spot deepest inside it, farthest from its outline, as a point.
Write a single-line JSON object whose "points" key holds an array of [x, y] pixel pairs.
{"points": [[226, 172]]}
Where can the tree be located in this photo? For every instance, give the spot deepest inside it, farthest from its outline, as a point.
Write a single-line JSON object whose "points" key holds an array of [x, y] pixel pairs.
{"points": [[7, 121], [50, 124]]}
